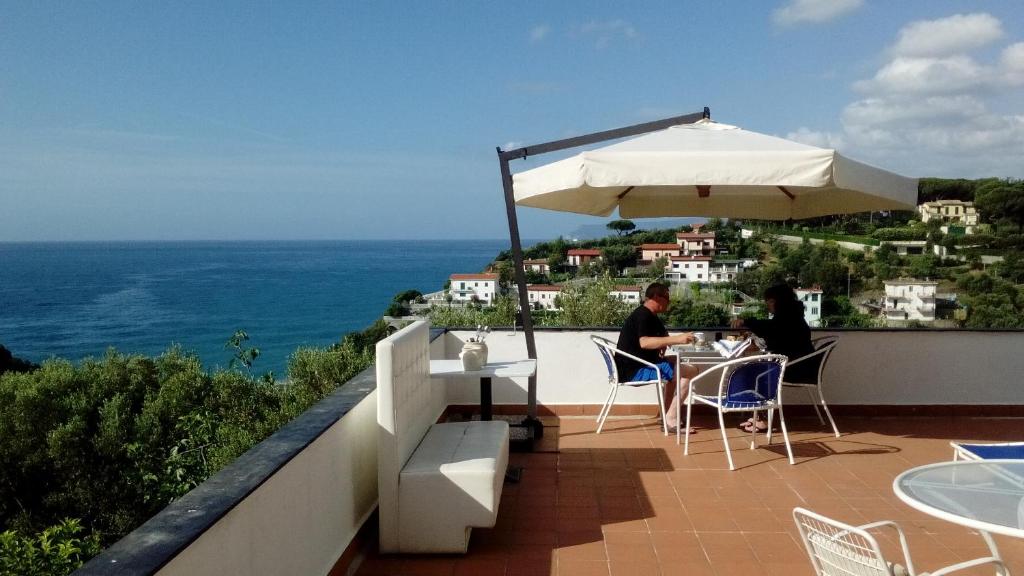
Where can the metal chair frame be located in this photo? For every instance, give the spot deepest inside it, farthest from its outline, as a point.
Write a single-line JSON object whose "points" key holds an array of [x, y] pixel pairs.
{"points": [[823, 347], [721, 399], [608, 352], [839, 549]]}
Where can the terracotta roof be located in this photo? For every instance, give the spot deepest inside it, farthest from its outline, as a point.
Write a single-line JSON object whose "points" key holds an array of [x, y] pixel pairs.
{"points": [[544, 288], [584, 252], [659, 247], [473, 277], [627, 289], [689, 258], [695, 235], [536, 261]]}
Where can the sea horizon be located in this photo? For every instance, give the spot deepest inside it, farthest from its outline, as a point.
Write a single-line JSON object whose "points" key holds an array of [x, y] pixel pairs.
{"points": [[75, 299]]}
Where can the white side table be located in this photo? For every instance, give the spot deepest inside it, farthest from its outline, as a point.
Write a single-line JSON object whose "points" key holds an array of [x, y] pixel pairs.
{"points": [[509, 369]]}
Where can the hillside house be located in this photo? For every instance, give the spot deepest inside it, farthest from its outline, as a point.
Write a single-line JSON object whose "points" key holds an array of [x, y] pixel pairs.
{"points": [[950, 212], [811, 299], [696, 243], [543, 295], [539, 265], [724, 270], [651, 252], [629, 294], [579, 256], [469, 287], [909, 299], [688, 268]]}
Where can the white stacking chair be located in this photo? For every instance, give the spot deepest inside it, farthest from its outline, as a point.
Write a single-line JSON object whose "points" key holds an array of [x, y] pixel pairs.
{"points": [[823, 348], [608, 352], [748, 384], [839, 549]]}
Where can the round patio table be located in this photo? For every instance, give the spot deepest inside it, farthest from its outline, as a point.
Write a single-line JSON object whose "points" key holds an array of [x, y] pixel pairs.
{"points": [[987, 495]]}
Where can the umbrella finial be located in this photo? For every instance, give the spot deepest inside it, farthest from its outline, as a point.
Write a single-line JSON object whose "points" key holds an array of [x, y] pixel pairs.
{"points": [[707, 113]]}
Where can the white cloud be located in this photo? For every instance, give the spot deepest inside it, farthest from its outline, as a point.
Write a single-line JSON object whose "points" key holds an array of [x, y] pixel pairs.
{"points": [[539, 32], [810, 137], [604, 32], [946, 36], [512, 145], [905, 75], [933, 109], [814, 11]]}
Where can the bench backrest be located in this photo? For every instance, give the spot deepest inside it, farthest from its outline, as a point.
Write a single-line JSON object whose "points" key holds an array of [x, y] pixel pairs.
{"points": [[406, 408]]}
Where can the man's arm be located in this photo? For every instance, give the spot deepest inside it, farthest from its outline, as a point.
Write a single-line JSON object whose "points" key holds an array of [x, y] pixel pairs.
{"points": [[659, 342]]}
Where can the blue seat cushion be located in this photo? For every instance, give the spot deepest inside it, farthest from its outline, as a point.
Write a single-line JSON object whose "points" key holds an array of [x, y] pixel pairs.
{"points": [[995, 451]]}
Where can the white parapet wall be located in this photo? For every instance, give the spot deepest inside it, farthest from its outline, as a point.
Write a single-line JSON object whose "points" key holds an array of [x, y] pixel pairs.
{"points": [[302, 518], [913, 367]]}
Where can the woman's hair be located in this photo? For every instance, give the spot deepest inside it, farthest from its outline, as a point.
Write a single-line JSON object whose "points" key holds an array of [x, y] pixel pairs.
{"points": [[786, 302]]}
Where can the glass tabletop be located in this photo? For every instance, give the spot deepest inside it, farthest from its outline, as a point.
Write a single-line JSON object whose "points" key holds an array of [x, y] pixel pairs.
{"points": [[983, 494]]}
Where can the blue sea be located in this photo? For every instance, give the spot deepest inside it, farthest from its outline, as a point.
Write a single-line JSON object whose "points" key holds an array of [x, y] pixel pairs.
{"points": [[74, 300]]}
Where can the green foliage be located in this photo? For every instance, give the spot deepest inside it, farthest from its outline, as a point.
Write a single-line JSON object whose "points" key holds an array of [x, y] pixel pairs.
{"points": [[405, 296], [903, 233], [930, 189], [591, 305], [501, 313], [242, 356], [56, 550], [1001, 200], [112, 440], [695, 314], [396, 310], [621, 226], [619, 257]]}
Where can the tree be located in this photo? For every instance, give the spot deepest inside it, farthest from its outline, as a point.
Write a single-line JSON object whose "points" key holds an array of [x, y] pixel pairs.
{"points": [[1001, 200], [407, 295], [619, 257], [621, 226]]}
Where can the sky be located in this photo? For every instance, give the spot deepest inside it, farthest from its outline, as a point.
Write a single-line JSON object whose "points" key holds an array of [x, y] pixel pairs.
{"points": [[376, 120]]}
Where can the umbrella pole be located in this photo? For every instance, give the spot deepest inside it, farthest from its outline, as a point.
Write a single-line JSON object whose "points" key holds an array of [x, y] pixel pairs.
{"points": [[513, 223], [524, 302]]}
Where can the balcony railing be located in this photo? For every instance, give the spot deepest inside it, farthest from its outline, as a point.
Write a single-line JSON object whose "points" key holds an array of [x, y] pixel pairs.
{"points": [[295, 504]]}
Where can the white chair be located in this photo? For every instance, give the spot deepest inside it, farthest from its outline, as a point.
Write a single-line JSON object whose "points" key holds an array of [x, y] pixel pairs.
{"points": [[838, 549], [608, 352], [823, 348], [748, 384]]}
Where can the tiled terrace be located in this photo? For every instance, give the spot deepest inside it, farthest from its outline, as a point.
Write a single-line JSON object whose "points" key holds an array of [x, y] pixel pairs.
{"points": [[628, 502]]}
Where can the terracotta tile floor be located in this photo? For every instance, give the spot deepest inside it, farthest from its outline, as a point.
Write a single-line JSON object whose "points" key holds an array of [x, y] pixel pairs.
{"points": [[628, 502]]}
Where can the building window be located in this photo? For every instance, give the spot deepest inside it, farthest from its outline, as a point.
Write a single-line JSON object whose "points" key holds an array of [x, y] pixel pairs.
{"points": [[814, 311]]}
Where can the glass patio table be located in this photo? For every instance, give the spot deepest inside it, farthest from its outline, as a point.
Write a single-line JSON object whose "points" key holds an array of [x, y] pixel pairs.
{"points": [[987, 495]]}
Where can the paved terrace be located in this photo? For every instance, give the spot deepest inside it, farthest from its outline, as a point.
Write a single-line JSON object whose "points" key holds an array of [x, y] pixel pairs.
{"points": [[628, 502]]}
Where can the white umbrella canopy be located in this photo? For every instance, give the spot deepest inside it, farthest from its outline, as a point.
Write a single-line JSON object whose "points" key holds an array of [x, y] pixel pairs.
{"points": [[712, 169]]}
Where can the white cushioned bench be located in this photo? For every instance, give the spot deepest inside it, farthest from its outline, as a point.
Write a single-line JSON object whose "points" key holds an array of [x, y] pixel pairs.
{"points": [[435, 481]]}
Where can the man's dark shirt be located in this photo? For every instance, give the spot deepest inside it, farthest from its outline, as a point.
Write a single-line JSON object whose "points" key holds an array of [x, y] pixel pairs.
{"points": [[642, 322]]}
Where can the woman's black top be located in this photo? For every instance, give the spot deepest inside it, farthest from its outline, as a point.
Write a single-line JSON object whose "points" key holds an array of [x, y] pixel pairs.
{"points": [[790, 336]]}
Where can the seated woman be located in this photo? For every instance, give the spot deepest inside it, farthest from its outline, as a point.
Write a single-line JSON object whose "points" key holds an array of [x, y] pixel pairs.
{"points": [[785, 332]]}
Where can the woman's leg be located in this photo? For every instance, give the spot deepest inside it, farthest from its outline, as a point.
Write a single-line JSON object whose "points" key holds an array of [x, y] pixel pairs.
{"points": [[686, 371]]}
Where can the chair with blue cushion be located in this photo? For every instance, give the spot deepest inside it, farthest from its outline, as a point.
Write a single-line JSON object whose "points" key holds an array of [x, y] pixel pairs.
{"points": [[750, 384], [998, 451], [608, 352]]}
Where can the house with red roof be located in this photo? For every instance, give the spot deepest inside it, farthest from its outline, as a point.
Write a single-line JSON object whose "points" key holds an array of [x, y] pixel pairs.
{"points": [[580, 256]]}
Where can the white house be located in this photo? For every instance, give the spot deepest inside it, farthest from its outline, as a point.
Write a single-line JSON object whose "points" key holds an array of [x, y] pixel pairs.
{"points": [[812, 299], [543, 295], [630, 294], [955, 212], [580, 256], [696, 243], [907, 247], [724, 270], [688, 268], [539, 265], [909, 300], [651, 252], [468, 287]]}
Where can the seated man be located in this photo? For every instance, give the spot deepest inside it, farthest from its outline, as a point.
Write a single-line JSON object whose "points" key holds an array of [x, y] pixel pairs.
{"points": [[644, 336]]}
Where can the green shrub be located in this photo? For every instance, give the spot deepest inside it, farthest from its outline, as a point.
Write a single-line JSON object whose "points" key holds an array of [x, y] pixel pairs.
{"points": [[57, 550]]}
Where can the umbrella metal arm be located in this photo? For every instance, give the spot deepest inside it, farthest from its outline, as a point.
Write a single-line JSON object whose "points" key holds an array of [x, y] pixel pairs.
{"points": [[513, 223]]}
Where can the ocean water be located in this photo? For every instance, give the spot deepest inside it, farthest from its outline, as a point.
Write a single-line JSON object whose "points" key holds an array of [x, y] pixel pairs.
{"points": [[74, 300]]}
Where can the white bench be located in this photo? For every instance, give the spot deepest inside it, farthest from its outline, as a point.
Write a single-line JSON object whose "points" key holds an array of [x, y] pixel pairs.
{"points": [[435, 481]]}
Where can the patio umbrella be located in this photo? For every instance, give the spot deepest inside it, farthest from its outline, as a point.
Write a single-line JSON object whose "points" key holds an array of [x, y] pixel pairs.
{"points": [[706, 168]]}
